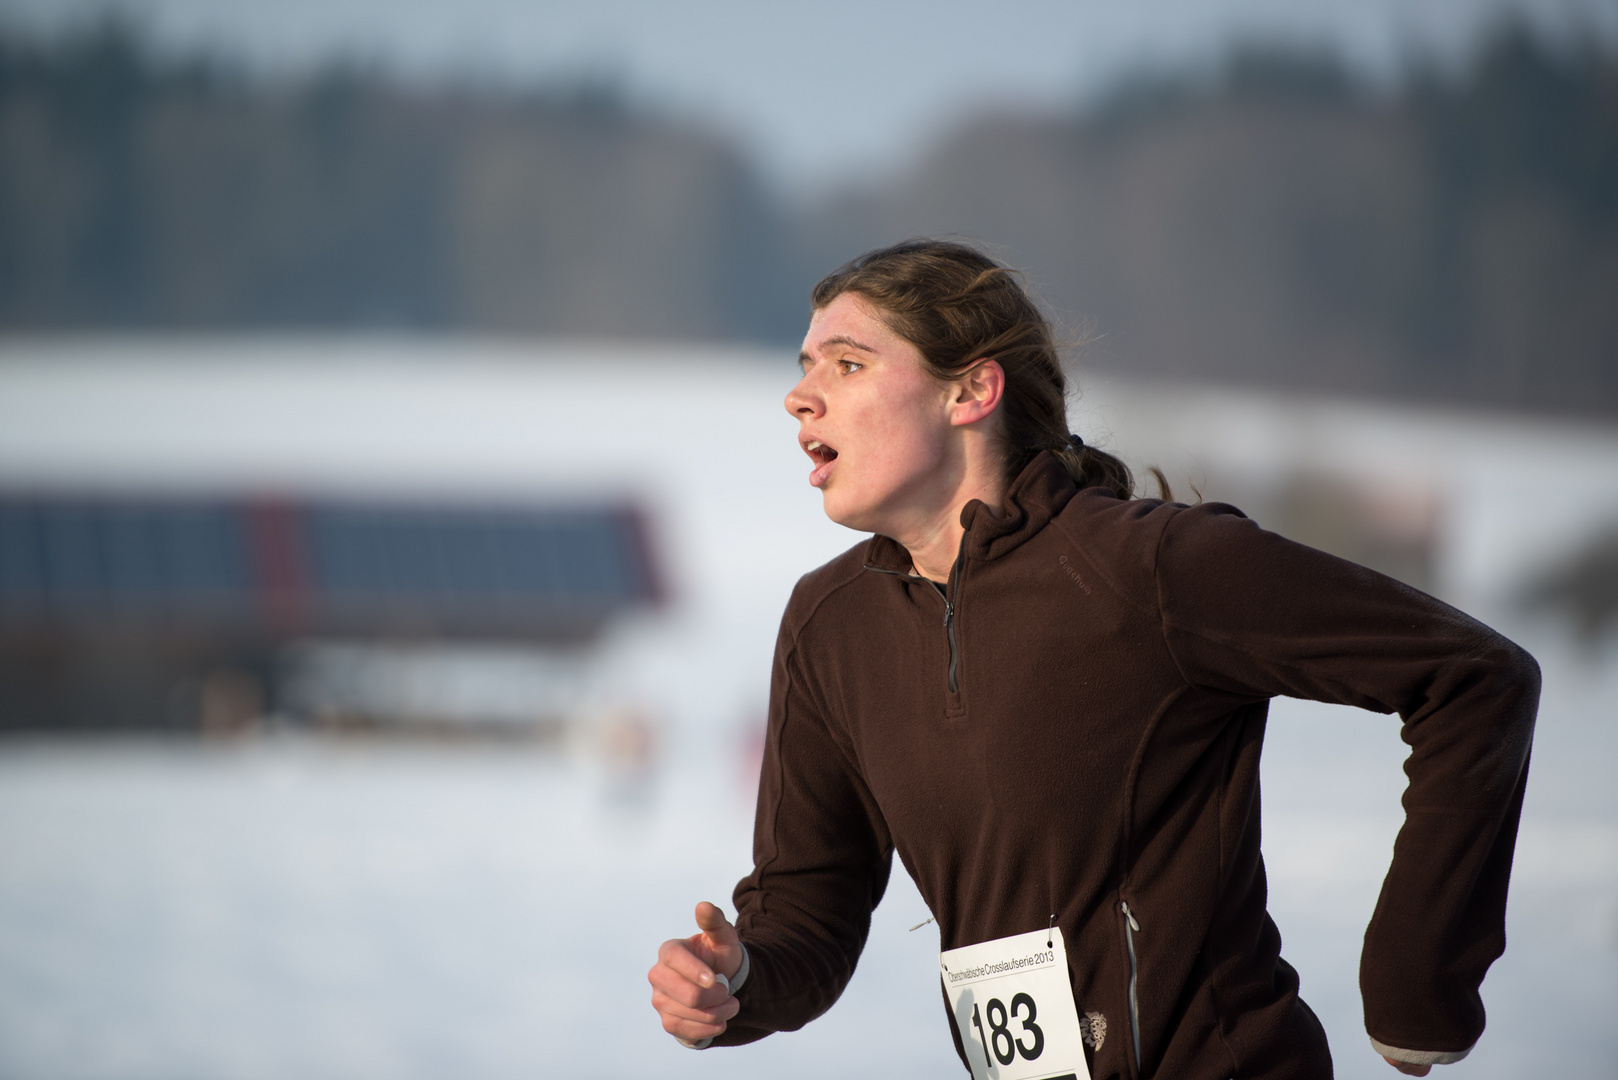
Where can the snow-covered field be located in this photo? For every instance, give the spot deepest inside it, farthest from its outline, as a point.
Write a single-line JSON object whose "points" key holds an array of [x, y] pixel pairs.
{"points": [[291, 906]]}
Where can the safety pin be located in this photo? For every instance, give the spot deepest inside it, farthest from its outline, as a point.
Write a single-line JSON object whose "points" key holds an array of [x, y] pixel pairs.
{"points": [[923, 923]]}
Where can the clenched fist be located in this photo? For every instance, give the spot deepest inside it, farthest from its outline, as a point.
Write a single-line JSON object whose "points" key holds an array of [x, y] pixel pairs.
{"points": [[691, 979]]}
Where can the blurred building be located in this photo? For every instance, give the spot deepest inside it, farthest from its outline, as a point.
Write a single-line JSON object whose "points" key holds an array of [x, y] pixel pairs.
{"points": [[473, 549], [208, 614]]}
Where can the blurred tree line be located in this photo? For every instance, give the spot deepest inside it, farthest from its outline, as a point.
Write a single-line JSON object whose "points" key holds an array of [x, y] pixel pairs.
{"points": [[1280, 224], [141, 193]]}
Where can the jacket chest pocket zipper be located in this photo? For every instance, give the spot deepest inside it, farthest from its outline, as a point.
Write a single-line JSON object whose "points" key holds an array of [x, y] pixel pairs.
{"points": [[954, 658], [1131, 928]]}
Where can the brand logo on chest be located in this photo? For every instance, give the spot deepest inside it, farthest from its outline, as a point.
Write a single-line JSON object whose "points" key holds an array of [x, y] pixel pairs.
{"points": [[1072, 573]]}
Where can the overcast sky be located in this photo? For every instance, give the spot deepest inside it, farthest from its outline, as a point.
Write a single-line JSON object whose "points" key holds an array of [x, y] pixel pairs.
{"points": [[818, 92]]}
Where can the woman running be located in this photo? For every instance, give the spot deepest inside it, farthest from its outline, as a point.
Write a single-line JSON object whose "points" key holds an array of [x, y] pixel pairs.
{"points": [[1049, 698]]}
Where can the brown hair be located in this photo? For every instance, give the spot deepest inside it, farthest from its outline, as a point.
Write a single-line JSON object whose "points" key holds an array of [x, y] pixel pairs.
{"points": [[958, 307]]}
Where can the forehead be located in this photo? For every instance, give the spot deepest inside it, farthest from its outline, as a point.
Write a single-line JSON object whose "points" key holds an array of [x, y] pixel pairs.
{"points": [[851, 322]]}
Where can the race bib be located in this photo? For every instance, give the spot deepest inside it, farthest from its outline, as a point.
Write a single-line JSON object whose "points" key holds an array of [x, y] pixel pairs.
{"points": [[1013, 1007]]}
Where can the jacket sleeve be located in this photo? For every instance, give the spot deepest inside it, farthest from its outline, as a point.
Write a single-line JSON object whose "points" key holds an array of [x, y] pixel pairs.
{"points": [[821, 858], [1248, 613]]}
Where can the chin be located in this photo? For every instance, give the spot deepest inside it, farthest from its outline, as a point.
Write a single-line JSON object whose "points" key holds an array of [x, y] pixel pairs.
{"points": [[840, 512], [835, 507]]}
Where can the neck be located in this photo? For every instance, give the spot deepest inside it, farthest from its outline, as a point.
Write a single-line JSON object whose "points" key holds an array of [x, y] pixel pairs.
{"points": [[934, 544], [927, 523]]}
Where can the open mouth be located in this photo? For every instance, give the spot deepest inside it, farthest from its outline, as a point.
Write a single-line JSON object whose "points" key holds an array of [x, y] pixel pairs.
{"points": [[823, 456], [818, 450]]}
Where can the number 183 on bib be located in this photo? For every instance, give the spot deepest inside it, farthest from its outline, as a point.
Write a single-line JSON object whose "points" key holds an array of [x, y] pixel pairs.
{"points": [[1013, 1007]]}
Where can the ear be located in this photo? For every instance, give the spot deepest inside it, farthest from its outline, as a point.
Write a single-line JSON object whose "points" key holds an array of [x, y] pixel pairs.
{"points": [[976, 395]]}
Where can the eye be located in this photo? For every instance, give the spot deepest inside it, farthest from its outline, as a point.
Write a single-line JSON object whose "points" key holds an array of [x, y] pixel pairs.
{"points": [[849, 367]]}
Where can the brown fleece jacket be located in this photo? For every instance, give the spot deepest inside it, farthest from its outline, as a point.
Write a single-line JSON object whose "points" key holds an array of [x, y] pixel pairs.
{"points": [[1091, 737]]}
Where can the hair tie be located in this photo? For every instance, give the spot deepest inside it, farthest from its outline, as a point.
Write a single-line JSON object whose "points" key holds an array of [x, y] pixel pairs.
{"points": [[1075, 443]]}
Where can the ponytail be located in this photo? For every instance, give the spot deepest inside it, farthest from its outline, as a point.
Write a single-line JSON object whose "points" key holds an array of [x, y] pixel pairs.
{"points": [[1090, 467]]}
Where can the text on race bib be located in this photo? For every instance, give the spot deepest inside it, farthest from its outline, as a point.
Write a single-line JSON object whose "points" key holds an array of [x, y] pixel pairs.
{"points": [[1013, 1007]]}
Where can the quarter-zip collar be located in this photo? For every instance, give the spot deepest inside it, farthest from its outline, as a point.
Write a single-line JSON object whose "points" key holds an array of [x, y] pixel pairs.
{"points": [[1036, 496]]}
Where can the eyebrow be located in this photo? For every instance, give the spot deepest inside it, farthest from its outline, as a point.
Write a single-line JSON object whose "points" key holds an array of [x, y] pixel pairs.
{"points": [[840, 339]]}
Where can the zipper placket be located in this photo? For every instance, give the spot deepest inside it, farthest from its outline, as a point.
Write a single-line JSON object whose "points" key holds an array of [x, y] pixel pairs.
{"points": [[1131, 928], [956, 573], [952, 679]]}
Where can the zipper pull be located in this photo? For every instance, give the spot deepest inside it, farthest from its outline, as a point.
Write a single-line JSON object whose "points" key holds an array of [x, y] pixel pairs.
{"points": [[1123, 905], [949, 612]]}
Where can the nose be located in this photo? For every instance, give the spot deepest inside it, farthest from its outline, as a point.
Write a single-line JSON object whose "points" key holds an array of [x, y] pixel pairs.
{"points": [[804, 401]]}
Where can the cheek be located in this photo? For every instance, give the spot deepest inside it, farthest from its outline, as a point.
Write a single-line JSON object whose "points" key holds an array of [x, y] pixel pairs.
{"points": [[903, 437]]}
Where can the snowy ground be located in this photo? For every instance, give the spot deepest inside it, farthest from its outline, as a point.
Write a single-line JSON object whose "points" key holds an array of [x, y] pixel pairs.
{"points": [[349, 909], [291, 907]]}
